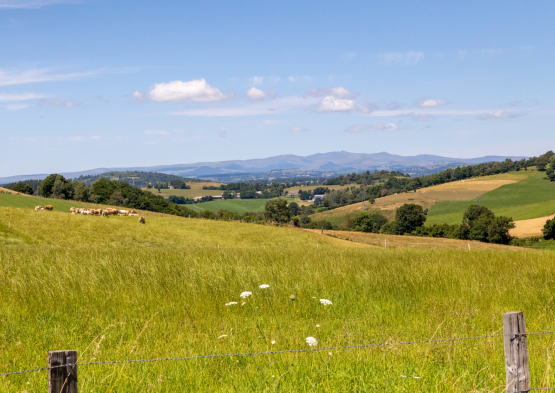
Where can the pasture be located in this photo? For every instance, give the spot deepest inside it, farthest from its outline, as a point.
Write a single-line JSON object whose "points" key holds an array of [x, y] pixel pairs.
{"points": [[160, 290], [195, 190], [239, 206]]}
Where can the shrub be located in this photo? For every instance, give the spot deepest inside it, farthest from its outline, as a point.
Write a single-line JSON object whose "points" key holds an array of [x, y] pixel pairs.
{"points": [[549, 229], [368, 222], [408, 218]]}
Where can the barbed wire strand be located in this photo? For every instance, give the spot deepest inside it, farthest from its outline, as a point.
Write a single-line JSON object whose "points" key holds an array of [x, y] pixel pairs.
{"points": [[269, 352]]}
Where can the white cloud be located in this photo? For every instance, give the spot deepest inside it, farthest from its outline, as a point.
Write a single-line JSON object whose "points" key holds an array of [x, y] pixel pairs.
{"points": [[29, 3], [334, 104], [389, 127], [278, 105], [398, 58], [138, 97], [34, 75], [499, 114], [75, 138], [61, 104], [196, 90], [21, 97], [96, 137], [16, 107], [156, 132], [256, 80], [104, 100], [489, 53], [429, 102], [294, 79], [297, 129], [255, 94], [339, 92]]}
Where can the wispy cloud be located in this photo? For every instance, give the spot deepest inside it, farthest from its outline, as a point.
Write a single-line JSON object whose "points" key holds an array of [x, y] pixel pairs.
{"points": [[21, 97], [156, 132], [499, 114], [75, 138], [34, 75], [33, 4], [339, 92], [61, 104], [223, 133], [16, 107], [297, 129], [387, 127], [400, 58], [256, 80], [196, 90], [429, 102]]}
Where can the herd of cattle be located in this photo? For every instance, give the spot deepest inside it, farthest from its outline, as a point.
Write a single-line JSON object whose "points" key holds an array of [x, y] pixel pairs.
{"points": [[97, 212]]}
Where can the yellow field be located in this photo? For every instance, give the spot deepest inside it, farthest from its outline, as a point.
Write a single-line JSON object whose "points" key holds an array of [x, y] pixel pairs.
{"points": [[529, 228], [8, 191], [394, 241], [195, 191], [464, 190]]}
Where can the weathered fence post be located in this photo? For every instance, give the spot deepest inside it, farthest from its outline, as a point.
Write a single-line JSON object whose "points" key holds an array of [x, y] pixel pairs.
{"points": [[62, 379], [516, 352]]}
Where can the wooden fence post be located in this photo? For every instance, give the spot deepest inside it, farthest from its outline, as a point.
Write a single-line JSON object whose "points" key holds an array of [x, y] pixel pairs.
{"points": [[516, 352], [62, 379]]}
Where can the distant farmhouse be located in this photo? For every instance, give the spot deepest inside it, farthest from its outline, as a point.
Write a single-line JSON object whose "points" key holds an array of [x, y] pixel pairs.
{"points": [[318, 196]]}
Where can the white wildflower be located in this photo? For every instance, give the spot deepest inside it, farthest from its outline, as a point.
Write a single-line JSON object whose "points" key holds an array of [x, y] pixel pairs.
{"points": [[245, 295], [263, 286], [242, 304], [325, 302], [311, 341], [223, 335], [329, 353], [403, 376], [317, 325], [230, 303], [273, 342]]}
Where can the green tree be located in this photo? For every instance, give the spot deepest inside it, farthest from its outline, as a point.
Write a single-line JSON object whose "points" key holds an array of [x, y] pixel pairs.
{"points": [[48, 183], [479, 223], [276, 210], [24, 188], [80, 192], [390, 228], [541, 163], [368, 222], [408, 218], [549, 229], [294, 208]]}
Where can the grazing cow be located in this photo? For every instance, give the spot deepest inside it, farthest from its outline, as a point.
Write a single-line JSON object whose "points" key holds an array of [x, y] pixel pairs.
{"points": [[86, 212], [49, 207], [97, 212], [37, 208], [123, 213], [72, 210], [142, 220], [109, 212]]}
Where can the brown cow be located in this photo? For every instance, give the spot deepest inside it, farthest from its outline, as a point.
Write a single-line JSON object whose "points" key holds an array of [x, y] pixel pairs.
{"points": [[109, 212], [142, 220], [49, 207]]}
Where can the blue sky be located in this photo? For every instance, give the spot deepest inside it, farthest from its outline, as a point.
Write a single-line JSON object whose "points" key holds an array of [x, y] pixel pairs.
{"points": [[86, 84]]}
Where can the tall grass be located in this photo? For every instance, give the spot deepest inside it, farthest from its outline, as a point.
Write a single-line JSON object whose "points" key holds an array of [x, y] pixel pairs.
{"points": [[130, 303]]}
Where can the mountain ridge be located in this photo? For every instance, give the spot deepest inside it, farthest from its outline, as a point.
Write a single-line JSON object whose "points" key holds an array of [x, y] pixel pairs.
{"points": [[332, 161]]}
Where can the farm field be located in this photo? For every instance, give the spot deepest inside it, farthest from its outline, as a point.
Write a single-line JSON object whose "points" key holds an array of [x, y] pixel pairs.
{"points": [[521, 195], [529, 228], [160, 290], [310, 188], [239, 206], [195, 191]]}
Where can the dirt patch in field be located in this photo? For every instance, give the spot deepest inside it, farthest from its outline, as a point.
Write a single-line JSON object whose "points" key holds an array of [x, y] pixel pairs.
{"points": [[394, 241], [529, 228]]}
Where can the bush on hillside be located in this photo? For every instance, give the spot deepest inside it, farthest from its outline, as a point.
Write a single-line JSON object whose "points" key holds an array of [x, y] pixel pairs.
{"points": [[390, 228], [479, 223], [23, 188], [408, 218], [368, 222], [549, 229], [439, 230]]}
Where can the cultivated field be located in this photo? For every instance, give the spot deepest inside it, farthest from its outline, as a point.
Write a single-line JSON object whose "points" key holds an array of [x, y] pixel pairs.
{"points": [[521, 195], [529, 228], [113, 289], [310, 188], [195, 191], [235, 205]]}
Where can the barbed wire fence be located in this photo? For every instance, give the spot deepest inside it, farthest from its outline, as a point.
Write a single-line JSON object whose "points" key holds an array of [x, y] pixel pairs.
{"points": [[62, 365]]}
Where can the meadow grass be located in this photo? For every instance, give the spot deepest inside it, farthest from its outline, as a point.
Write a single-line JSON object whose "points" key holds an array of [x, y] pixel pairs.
{"points": [[129, 303], [195, 190], [239, 206]]}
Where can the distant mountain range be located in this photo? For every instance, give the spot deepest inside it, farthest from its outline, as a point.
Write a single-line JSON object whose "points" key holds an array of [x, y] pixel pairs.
{"points": [[335, 162]]}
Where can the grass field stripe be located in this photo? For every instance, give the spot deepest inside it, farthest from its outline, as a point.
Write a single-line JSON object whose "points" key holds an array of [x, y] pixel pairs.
{"points": [[270, 352]]}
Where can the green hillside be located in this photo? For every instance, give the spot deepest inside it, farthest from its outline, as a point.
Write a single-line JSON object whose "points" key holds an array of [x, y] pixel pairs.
{"points": [[528, 198], [239, 206], [29, 202]]}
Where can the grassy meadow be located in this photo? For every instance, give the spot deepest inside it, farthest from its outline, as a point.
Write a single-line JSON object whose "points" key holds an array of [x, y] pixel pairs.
{"points": [[235, 205], [195, 190], [114, 289]]}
